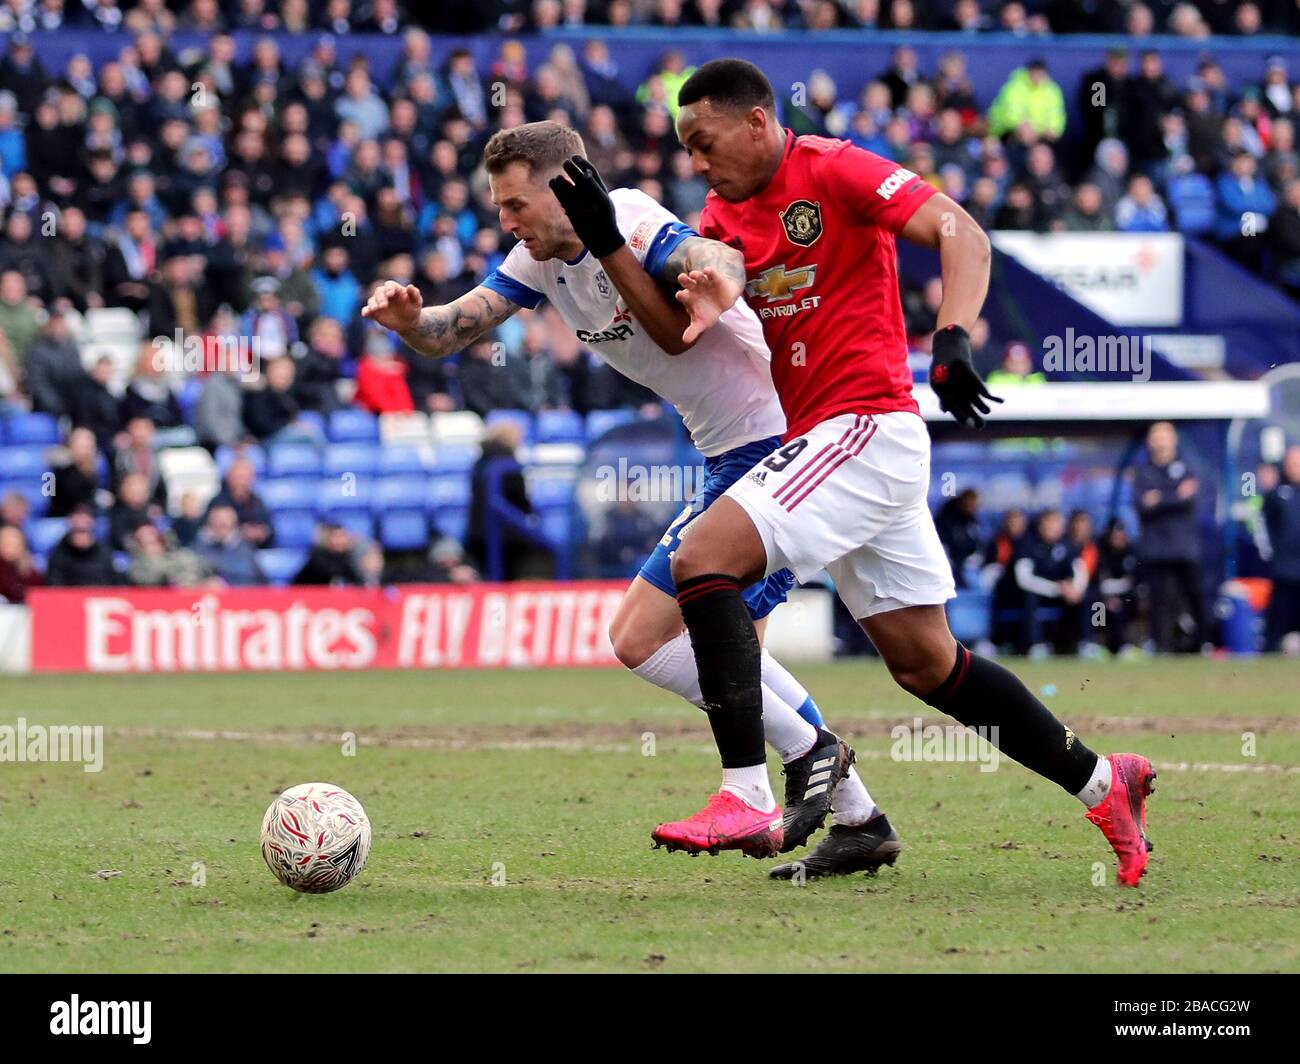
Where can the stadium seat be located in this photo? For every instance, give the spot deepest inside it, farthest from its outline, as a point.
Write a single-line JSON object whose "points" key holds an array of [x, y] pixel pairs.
{"points": [[969, 616], [358, 522], [31, 490], [404, 530], [187, 395], [351, 425], [293, 460], [23, 427], [401, 493], [560, 426], [26, 461], [291, 493], [556, 454], [455, 458], [404, 430], [344, 492], [294, 528], [225, 456], [45, 532], [448, 491], [600, 422], [358, 458], [282, 564], [452, 521], [557, 523], [313, 418], [1191, 197], [414, 460], [550, 491], [522, 418], [456, 426], [187, 470], [113, 324]]}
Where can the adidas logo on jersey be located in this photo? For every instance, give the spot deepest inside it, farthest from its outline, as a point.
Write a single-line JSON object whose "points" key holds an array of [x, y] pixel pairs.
{"points": [[758, 476]]}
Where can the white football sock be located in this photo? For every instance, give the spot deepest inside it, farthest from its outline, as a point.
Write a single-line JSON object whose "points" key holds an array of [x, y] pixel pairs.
{"points": [[1098, 786], [672, 667], [851, 804], [783, 684], [750, 785]]}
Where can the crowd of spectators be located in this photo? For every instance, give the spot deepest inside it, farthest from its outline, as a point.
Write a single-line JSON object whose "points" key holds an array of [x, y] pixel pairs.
{"points": [[1056, 585], [260, 201]]}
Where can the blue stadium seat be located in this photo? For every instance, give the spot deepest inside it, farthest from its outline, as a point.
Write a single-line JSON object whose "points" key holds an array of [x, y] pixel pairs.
{"points": [[293, 460], [405, 460], [344, 492], [356, 458], [22, 427], [291, 493], [294, 528], [313, 418], [24, 461], [557, 523], [448, 491], [351, 425], [1191, 197], [400, 493], [282, 564], [969, 616], [522, 418], [358, 522], [561, 426], [550, 491], [31, 490], [226, 456], [600, 422], [44, 533], [404, 530], [455, 458], [452, 521], [187, 395]]}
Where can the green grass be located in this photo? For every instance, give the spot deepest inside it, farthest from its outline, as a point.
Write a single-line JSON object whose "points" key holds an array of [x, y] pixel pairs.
{"points": [[540, 778]]}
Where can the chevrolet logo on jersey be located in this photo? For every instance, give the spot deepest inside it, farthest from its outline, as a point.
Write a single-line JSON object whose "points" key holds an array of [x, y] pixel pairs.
{"points": [[777, 284]]}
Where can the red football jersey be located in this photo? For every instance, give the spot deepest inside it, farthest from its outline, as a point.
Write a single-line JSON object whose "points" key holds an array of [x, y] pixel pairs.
{"points": [[819, 256]]}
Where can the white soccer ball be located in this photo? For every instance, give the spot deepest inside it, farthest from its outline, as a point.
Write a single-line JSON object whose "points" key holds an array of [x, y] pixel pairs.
{"points": [[315, 838]]}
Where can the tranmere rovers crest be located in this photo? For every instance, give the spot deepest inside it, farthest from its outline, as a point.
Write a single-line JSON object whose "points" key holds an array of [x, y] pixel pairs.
{"points": [[803, 222]]}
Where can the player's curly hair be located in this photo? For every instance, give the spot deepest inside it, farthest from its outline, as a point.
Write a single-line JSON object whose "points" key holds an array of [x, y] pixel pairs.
{"points": [[541, 146], [733, 83]]}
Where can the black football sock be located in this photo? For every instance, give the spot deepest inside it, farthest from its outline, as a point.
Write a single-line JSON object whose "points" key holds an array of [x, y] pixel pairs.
{"points": [[982, 694], [729, 660]]}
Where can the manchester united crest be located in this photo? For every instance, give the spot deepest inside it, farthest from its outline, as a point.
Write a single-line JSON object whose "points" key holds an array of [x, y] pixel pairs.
{"points": [[803, 222]]}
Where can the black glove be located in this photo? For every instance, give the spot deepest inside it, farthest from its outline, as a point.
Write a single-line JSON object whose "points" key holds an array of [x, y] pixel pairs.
{"points": [[954, 379], [586, 201]]}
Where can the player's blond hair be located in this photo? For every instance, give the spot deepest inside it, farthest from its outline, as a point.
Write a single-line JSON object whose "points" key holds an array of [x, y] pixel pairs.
{"points": [[541, 146]]}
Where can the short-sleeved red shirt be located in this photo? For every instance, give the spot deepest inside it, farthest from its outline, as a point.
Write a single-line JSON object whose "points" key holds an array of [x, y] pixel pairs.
{"points": [[819, 255]]}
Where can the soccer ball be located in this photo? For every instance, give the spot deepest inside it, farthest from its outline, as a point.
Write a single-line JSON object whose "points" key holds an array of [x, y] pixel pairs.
{"points": [[315, 838]]}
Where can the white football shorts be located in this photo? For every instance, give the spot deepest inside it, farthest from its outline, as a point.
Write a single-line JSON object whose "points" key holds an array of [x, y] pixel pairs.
{"points": [[850, 496]]}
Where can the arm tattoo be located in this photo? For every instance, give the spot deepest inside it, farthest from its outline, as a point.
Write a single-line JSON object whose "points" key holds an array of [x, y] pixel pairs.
{"points": [[701, 253], [446, 329]]}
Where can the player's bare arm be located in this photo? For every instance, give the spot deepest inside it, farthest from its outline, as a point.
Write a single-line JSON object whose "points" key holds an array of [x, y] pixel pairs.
{"points": [[442, 330], [664, 320], [965, 257], [710, 277], [964, 260]]}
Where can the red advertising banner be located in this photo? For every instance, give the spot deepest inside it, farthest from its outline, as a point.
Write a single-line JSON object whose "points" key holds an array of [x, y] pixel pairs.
{"points": [[525, 625]]}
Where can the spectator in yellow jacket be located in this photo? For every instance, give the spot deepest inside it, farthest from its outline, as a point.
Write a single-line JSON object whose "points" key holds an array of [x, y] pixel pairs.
{"points": [[1029, 97]]}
